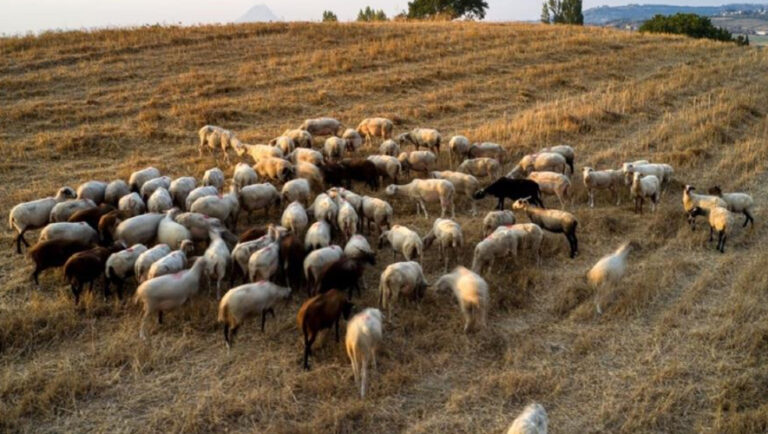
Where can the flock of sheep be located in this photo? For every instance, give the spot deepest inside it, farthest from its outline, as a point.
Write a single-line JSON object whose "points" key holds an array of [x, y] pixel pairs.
{"points": [[152, 226]]}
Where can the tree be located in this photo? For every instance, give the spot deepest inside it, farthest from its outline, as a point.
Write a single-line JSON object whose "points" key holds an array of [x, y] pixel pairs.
{"points": [[562, 12], [329, 16], [544, 13], [369, 14], [688, 24], [472, 9]]}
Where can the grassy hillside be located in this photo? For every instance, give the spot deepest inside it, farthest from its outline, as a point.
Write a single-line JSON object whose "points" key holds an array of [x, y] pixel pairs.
{"points": [[682, 348]]}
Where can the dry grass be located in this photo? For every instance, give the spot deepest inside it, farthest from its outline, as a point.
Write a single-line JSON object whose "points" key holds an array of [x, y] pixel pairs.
{"points": [[681, 348]]}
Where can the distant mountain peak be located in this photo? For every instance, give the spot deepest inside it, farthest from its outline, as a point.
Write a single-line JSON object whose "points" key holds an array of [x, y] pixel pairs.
{"points": [[258, 14]]}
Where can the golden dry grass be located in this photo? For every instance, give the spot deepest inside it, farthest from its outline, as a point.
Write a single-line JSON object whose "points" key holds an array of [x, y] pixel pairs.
{"points": [[681, 349]]}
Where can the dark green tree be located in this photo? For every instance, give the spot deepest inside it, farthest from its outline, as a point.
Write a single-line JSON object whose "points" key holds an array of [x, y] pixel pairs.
{"points": [[472, 9], [329, 16], [544, 13], [562, 12], [369, 14], [572, 12], [691, 25]]}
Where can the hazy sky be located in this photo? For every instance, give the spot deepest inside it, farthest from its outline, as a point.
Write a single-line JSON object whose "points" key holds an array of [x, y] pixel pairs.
{"points": [[19, 16]]}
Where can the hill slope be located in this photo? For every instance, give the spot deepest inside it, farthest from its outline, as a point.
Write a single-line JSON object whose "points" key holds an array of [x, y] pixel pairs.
{"points": [[682, 347]]}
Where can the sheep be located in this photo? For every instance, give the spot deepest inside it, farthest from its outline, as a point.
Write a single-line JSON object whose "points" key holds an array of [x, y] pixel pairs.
{"points": [[487, 150], [333, 148], [62, 211], [448, 235], [79, 231], [318, 236], [481, 167], [737, 202], [296, 190], [153, 185], [213, 177], [471, 291], [141, 229], [553, 183], [311, 173], [362, 340], [427, 190], [172, 262], [275, 169], [225, 208], [93, 190], [352, 139], [242, 252], [389, 147], [91, 215], [53, 253], [663, 172], [145, 260], [115, 190], [406, 278], [358, 248], [377, 211], [375, 127], [214, 137], [347, 219], [180, 189], [244, 301], [544, 162], [426, 137], [462, 183], [284, 143], [705, 202], [318, 313], [564, 150], [259, 152], [120, 265], [294, 218], [346, 273], [306, 156], [322, 127], [418, 161], [720, 220], [403, 240], [197, 224], [530, 237], [552, 220], [302, 138], [87, 266], [316, 261], [608, 271], [34, 214], [292, 255], [514, 189], [645, 186], [458, 148], [386, 166], [355, 169], [108, 225], [495, 219], [259, 196], [264, 263], [325, 208], [610, 179], [168, 292], [532, 420], [501, 243], [243, 175], [217, 259], [339, 193], [133, 204], [139, 177], [160, 201]]}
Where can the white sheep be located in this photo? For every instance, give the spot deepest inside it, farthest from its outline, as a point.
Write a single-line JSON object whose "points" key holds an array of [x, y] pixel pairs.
{"points": [[132, 203], [448, 235], [358, 248], [532, 420], [403, 240], [296, 190], [153, 184], [318, 236], [284, 143], [216, 137], [377, 211], [463, 183], [170, 232], [35, 214], [645, 186], [487, 150], [610, 179], [302, 138], [552, 220], [164, 293], [120, 265], [347, 219], [554, 184], [471, 291], [422, 137], [386, 166], [608, 272], [66, 231], [147, 258], [243, 175], [93, 190], [418, 161], [160, 201], [322, 126], [566, 151], [275, 169], [720, 220], [140, 229], [458, 148], [180, 189], [530, 237], [495, 219], [259, 152], [544, 162], [264, 263], [389, 147], [225, 207], [257, 197], [311, 173], [197, 224], [426, 190], [139, 177], [705, 202], [738, 203], [481, 167], [214, 177], [340, 193], [317, 261], [664, 172], [400, 278], [62, 211], [334, 148], [197, 193], [172, 262], [501, 243], [325, 208], [115, 190], [245, 301], [305, 155], [364, 335], [242, 252], [375, 127], [217, 259], [353, 139], [294, 218]]}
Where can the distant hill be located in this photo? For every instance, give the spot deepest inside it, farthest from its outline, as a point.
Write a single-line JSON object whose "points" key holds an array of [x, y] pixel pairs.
{"points": [[258, 14], [611, 15]]}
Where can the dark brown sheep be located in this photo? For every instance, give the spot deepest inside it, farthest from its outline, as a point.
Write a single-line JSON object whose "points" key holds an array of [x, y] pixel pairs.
{"points": [[253, 233], [92, 216], [88, 266], [53, 253], [292, 256], [344, 274], [108, 222], [361, 170], [321, 312]]}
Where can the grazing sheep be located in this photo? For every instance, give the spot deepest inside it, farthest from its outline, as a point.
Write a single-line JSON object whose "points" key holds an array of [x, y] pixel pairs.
{"points": [[108, 225], [217, 259], [422, 137], [153, 185], [471, 291], [91, 215], [353, 139], [139, 177], [318, 236], [720, 220], [115, 190], [275, 169], [87, 266], [377, 211], [251, 234], [53, 253], [403, 240], [358, 248], [458, 148], [172, 262], [180, 189], [93, 190], [318, 313], [62, 211], [602, 180], [325, 208], [264, 263], [463, 183], [738, 203], [160, 201], [501, 243], [323, 127], [564, 150], [608, 271], [294, 218], [244, 175], [386, 166], [544, 162], [645, 186], [214, 177], [487, 150], [339, 194], [141, 229], [164, 293], [664, 172], [35, 214], [245, 301], [147, 258], [292, 256], [333, 148], [361, 170], [389, 147], [311, 173], [552, 220], [242, 252], [79, 231], [259, 152], [120, 266], [692, 200], [553, 183], [133, 204], [305, 155], [215, 137], [375, 127], [347, 220], [346, 273], [530, 237], [427, 190], [284, 143], [495, 219], [259, 196], [197, 224], [225, 208], [448, 235], [514, 189], [317, 261], [296, 190], [532, 420], [362, 341], [406, 278], [418, 161], [301, 138]]}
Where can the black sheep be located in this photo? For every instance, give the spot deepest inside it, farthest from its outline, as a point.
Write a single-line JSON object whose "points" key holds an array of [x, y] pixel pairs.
{"points": [[514, 189]]}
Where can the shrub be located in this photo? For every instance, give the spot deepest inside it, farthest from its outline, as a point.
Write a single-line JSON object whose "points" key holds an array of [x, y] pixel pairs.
{"points": [[691, 25]]}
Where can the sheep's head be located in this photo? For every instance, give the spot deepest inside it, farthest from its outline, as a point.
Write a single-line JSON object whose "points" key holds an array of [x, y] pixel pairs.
{"points": [[66, 193], [403, 138], [637, 176], [391, 190], [479, 194], [688, 188], [187, 246], [383, 239], [715, 191], [586, 170], [520, 204], [443, 284]]}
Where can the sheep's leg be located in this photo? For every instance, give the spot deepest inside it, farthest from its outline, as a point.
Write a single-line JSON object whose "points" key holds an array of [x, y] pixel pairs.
{"points": [[711, 233], [337, 329], [591, 199], [76, 288], [424, 207], [35, 274], [159, 316], [226, 336], [218, 289], [263, 318], [363, 377], [142, 324], [307, 349], [500, 205], [721, 241]]}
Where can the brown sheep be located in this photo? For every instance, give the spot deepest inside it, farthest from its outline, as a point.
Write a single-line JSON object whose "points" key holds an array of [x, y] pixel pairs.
{"points": [[346, 273], [53, 253], [292, 256], [108, 223], [321, 312], [88, 266], [253, 233], [92, 216]]}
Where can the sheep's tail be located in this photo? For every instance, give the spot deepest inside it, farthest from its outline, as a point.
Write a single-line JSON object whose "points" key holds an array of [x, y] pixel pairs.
{"points": [[10, 221], [109, 272], [223, 312]]}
